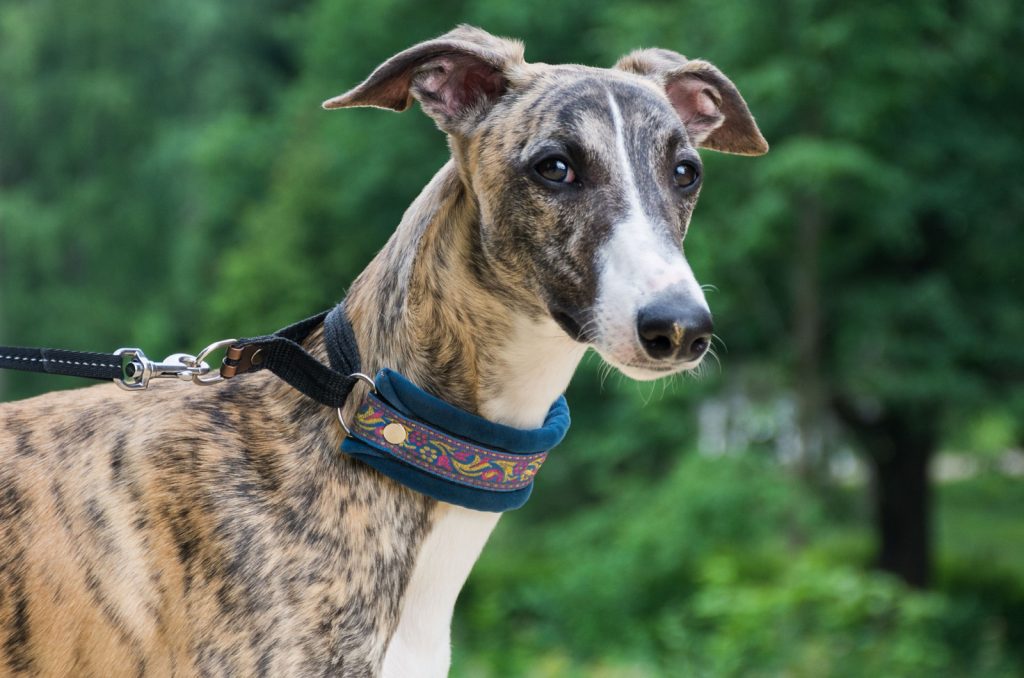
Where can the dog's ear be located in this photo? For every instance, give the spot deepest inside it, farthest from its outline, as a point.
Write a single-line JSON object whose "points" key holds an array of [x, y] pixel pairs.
{"points": [[710, 106], [456, 78]]}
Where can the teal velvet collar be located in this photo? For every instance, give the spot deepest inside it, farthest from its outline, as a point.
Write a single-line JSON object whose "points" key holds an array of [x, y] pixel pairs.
{"points": [[447, 453]]}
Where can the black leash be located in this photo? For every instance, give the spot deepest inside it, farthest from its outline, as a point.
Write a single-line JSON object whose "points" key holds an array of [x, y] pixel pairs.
{"points": [[281, 353], [56, 361]]}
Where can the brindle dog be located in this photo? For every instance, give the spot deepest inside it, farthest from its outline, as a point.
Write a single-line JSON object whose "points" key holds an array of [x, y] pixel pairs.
{"points": [[218, 531]]}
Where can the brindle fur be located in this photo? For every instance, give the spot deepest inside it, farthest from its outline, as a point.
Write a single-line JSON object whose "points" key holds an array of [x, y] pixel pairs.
{"points": [[217, 531]]}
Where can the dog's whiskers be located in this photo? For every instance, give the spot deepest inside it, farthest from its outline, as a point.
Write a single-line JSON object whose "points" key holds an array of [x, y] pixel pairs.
{"points": [[717, 338]]}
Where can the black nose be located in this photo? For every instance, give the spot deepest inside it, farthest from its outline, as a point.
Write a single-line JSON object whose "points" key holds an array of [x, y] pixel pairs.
{"points": [[676, 329]]}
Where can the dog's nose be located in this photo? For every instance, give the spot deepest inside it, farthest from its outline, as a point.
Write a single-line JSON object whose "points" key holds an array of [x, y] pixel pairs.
{"points": [[674, 329]]}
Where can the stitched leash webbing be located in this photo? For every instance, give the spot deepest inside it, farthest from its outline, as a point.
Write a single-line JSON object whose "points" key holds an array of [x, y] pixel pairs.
{"points": [[281, 353], [57, 361]]}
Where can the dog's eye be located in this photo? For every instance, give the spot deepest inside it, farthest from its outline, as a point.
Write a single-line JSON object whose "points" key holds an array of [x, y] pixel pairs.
{"points": [[556, 170], [686, 175]]}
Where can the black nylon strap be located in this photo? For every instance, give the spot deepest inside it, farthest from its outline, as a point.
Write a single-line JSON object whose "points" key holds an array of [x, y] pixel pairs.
{"points": [[281, 354], [57, 361], [342, 349]]}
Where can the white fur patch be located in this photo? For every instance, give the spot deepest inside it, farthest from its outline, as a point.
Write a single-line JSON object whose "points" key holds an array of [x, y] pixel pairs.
{"points": [[536, 363], [421, 646]]}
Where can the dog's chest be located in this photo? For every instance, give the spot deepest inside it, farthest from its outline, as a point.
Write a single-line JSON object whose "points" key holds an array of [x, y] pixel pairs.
{"points": [[421, 644]]}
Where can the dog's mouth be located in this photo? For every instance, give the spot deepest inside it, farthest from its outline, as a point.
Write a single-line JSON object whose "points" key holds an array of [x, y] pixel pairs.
{"points": [[570, 323], [640, 369]]}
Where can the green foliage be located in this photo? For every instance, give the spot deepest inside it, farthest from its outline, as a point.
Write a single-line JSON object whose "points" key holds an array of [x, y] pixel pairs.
{"points": [[818, 619], [726, 568], [651, 536]]}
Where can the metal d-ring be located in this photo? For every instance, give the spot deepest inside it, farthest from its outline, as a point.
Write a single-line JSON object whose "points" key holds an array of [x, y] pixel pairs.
{"points": [[202, 379], [373, 389]]}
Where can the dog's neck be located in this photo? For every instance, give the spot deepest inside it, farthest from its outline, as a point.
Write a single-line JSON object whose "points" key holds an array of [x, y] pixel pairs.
{"points": [[430, 306]]}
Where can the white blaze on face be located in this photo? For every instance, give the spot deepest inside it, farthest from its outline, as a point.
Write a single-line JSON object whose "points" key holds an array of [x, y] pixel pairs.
{"points": [[636, 263]]}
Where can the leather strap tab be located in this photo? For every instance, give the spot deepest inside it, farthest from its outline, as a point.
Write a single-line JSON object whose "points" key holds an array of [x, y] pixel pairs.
{"points": [[240, 360]]}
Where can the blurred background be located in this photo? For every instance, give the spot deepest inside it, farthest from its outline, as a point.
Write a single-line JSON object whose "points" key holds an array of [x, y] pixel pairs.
{"points": [[840, 496]]}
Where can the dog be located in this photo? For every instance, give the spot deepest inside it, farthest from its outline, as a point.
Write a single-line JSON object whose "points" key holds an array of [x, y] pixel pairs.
{"points": [[218, 531]]}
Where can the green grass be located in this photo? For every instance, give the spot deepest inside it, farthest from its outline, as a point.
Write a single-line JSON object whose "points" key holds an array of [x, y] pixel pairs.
{"points": [[981, 520]]}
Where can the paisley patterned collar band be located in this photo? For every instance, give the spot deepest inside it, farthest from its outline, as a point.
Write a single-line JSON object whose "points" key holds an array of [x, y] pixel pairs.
{"points": [[447, 453]]}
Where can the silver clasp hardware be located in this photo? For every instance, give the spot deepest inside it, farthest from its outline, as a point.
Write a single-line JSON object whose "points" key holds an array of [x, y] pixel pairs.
{"points": [[137, 369]]}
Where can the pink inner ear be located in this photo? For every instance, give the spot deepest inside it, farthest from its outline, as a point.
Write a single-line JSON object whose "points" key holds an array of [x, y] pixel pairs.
{"points": [[456, 84], [484, 82], [705, 105], [692, 98], [697, 105]]}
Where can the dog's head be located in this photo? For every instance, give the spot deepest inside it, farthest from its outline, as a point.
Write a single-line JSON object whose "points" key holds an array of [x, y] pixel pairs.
{"points": [[585, 179]]}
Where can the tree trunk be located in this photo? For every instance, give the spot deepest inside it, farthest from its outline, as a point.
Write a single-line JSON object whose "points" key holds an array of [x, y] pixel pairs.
{"points": [[806, 277], [899, 445], [902, 512]]}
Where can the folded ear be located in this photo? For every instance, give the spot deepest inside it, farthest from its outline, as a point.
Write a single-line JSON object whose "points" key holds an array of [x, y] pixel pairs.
{"points": [[456, 78], [710, 106]]}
